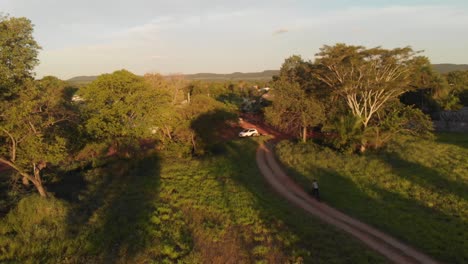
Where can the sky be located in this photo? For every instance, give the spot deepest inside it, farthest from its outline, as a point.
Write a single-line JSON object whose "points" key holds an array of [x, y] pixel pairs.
{"points": [[91, 37]]}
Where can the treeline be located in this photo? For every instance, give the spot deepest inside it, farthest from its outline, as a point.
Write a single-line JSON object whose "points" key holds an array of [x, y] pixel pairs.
{"points": [[360, 97], [47, 124], [351, 97]]}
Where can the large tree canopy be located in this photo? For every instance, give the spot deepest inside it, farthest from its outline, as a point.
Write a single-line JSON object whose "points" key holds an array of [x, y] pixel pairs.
{"points": [[31, 128], [18, 54], [295, 107], [366, 78], [458, 81], [432, 91], [121, 106]]}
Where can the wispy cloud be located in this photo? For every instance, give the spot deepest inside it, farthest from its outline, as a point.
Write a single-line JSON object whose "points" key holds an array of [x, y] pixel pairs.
{"points": [[219, 37], [174, 21], [393, 15], [157, 57], [280, 31]]}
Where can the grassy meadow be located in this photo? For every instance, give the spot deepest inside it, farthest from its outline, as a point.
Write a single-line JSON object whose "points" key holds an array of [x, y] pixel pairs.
{"points": [[153, 209], [414, 189]]}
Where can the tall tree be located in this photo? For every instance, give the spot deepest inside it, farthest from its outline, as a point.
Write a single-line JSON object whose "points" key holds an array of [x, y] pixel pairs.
{"points": [[294, 109], [18, 54], [367, 79], [31, 127], [120, 107], [458, 81], [432, 91], [165, 91], [295, 105], [196, 130]]}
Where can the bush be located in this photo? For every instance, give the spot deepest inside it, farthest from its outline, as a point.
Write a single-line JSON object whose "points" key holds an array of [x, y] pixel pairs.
{"points": [[34, 231]]}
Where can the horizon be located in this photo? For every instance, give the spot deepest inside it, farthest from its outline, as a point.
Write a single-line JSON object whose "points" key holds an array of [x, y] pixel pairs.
{"points": [[87, 38], [225, 73]]}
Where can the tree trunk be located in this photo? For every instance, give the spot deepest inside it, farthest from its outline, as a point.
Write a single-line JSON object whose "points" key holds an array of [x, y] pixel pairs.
{"points": [[37, 179], [194, 145], [40, 188], [167, 131], [304, 134], [25, 181], [362, 148]]}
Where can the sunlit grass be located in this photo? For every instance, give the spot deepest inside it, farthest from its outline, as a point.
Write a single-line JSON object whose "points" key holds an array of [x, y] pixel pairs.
{"points": [[416, 190], [214, 209]]}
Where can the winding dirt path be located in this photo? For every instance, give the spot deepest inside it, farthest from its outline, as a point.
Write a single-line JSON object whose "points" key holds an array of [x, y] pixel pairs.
{"points": [[384, 244]]}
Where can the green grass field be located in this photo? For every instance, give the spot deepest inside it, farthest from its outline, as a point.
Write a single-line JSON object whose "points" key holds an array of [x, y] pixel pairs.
{"points": [[416, 190], [217, 209]]}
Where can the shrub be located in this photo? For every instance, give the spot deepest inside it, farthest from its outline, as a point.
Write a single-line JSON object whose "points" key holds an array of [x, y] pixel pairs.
{"points": [[34, 231]]}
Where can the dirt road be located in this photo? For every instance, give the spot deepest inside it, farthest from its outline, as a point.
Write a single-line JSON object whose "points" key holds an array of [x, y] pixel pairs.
{"points": [[384, 244]]}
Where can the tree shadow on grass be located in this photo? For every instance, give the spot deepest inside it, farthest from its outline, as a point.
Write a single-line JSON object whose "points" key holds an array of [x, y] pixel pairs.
{"points": [[269, 228], [436, 233], [458, 139], [429, 229], [109, 216], [315, 241], [425, 177], [213, 128], [69, 185]]}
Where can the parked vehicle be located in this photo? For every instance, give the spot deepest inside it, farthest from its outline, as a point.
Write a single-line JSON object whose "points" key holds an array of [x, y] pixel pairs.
{"points": [[249, 132]]}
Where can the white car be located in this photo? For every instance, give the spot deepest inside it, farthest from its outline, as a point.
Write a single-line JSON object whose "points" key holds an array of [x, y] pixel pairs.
{"points": [[249, 132]]}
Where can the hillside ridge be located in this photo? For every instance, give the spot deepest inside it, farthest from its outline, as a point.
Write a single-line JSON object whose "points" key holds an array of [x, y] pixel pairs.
{"points": [[263, 75]]}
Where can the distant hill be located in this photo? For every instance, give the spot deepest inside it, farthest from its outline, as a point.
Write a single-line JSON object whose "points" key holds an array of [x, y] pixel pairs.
{"points": [[447, 67], [264, 75], [81, 80]]}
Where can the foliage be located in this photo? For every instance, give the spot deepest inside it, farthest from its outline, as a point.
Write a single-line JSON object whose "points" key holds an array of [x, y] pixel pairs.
{"points": [[414, 189], [202, 121], [36, 227], [177, 210], [18, 54], [368, 82], [344, 133], [433, 91], [172, 89], [458, 81], [365, 78], [31, 127], [121, 108], [396, 120], [295, 107]]}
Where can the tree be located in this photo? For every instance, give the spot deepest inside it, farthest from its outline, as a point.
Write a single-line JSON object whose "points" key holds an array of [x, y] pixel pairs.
{"points": [[366, 78], [172, 87], [432, 91], [121, 108], [31, 127], [458, 81], [18, 54], [397, 119], [295, 107], [199, 122], [165, 91]]}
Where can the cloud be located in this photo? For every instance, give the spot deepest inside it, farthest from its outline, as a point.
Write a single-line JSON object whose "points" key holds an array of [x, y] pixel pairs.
{"points": [[280, 31], [157, 57], [188, 37], [410, 16], [178, 21]]}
